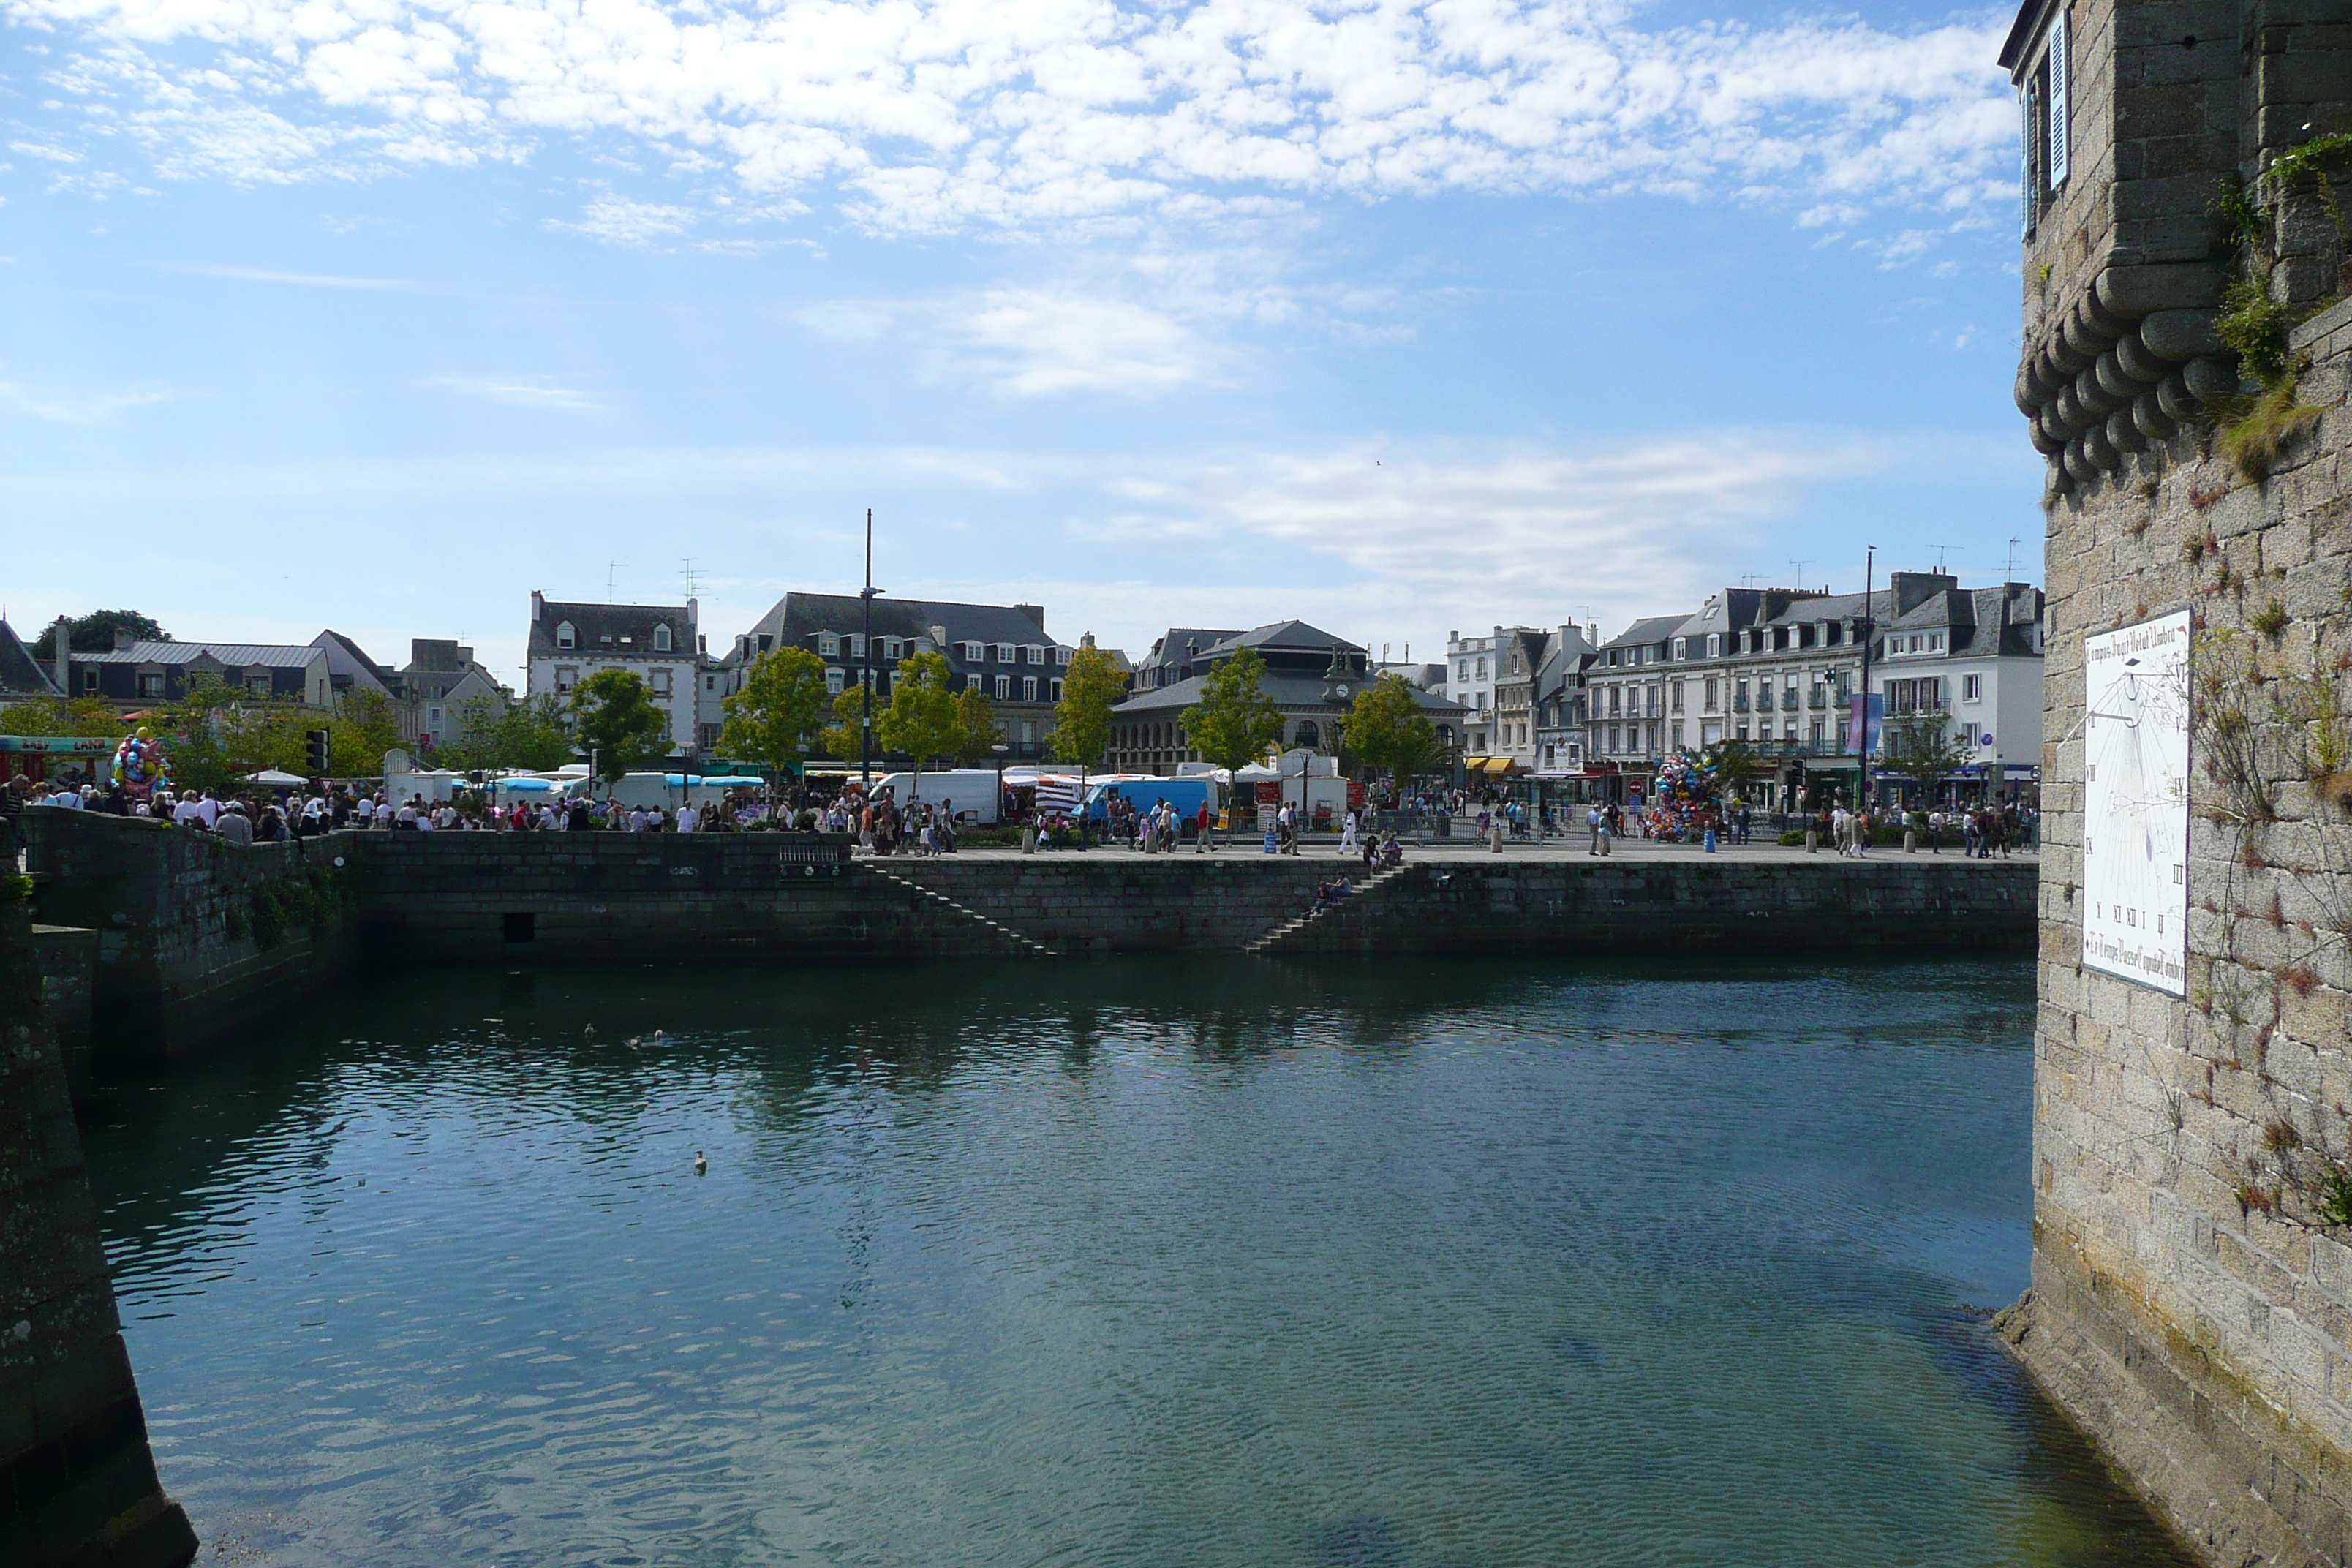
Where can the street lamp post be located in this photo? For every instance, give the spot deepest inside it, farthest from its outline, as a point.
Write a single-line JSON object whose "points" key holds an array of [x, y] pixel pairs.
{"points": [[866, 672], [1000, 748], [1862, 724]]}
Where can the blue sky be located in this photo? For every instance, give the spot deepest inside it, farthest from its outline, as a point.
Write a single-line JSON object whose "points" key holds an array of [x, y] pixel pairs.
{"points": [[1401, 318]]}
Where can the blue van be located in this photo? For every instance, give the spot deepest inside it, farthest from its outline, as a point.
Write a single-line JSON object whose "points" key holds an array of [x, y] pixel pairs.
{"points": [[1143, 793]]}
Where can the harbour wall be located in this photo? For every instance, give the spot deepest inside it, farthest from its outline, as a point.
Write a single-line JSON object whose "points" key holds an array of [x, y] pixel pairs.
{"points": [[183, 956], [77, 1480]]}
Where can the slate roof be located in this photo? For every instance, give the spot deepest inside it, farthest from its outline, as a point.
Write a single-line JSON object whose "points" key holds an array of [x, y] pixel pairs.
{"points": [[347, 659], [1649, 629], [1981, 621], [798, 617], [1179, 644], [1292, 693], [243, 655], [21, 674], [1283, 635], [593, 624]]}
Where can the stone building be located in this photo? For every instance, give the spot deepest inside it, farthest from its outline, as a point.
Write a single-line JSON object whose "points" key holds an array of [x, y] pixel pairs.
{"points": [[661, 643], [1002, 649], [1311, 677], [2192, 1272], [1521, 655]]}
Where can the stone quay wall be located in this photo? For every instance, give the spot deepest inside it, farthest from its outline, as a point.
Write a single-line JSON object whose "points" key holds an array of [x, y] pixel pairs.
{"points": [[2192, 1269], [77, 1481], [582, 896], [195, 937]]}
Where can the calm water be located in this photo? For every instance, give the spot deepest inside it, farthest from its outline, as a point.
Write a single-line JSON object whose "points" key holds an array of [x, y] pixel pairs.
{"points": [[1152, 1263]]}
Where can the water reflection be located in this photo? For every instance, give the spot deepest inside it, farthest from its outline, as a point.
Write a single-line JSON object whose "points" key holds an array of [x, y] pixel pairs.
{"points": [[1161, 1261]]}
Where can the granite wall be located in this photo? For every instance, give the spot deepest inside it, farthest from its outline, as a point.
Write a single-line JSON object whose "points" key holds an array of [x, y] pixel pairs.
{"points": [[2192, 1295], [77, 1483]]}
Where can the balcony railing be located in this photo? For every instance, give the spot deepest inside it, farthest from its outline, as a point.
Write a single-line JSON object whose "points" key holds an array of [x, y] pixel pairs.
{"points": [[1739, 704]]}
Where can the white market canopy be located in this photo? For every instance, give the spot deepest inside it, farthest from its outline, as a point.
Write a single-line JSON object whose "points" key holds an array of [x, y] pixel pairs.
{"points": [[272, 776]]}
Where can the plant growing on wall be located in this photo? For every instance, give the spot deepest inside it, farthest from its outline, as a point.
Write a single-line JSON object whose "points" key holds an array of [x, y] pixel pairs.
{"points": [[2254, 320]]}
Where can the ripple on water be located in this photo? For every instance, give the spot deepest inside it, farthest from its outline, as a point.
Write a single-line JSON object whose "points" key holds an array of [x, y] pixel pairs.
{"points": [[1123, 1263]]}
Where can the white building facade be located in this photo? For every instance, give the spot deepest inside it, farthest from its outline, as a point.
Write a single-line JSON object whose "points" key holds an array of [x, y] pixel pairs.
{"points": [[659, 643]]}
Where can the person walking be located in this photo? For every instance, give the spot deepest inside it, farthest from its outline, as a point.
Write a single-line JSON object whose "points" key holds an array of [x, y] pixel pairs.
{"points": [[1348, 832]]}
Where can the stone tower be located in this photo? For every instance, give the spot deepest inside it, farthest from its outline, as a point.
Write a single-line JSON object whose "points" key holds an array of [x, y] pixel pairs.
{"points": [[2184, 371]]}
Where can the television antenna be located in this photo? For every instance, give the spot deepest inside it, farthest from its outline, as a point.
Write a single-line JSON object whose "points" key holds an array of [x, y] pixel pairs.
{"points": [[1799, 567], [2009, 574], [1939, 557], [689, 575], [1747, 579], [611, 568]]}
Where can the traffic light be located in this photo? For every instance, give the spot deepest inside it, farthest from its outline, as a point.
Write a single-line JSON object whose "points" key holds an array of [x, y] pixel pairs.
{"points": [[315, 747]]}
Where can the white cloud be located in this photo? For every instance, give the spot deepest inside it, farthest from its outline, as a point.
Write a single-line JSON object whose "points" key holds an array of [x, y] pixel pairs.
{"points": [[931, 114], [76, 409], [625, 222], [519, 392]]}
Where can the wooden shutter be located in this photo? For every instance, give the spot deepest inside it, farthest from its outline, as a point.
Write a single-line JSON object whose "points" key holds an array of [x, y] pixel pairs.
{"points": [[2058, 103]]}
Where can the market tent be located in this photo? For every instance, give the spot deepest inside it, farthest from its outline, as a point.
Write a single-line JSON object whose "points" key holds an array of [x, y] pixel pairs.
{"points": [[271, 776]]}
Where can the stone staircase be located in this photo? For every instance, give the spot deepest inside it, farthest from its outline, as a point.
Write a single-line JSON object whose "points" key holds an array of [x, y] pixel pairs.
{"points": [[1021, 943], [1278, 936]]}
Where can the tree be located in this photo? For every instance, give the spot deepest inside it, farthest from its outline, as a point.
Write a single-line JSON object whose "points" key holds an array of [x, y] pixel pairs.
{"points": [[1091, 687], [94, 633], [1387, 728], [220, 734], [493, 735], [59, 716], [1234, 721], [613, 719], [976, 731], [1736, 766], [921, 719], [839, 738], [1922, 746], [780, 712], [362, 727]]}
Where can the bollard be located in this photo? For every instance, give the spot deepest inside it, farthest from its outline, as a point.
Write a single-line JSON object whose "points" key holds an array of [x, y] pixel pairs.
{"points": [[1812, 840], [1910, 842], [1029, 839], [1495, 838]]}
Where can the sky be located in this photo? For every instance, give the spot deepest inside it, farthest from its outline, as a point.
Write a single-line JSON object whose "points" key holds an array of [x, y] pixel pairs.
{"points": [[1400, 318]]}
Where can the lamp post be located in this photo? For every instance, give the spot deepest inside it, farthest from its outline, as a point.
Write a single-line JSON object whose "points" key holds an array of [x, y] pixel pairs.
{"points": [[866, 673], [1861, 721], [1000, 748]]}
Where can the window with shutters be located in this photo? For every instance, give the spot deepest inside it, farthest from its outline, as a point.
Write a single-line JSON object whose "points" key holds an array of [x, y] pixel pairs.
{"points": [[1005, 689]]}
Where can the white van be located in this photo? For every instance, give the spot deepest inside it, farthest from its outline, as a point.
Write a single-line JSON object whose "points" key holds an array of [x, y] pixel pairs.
{"points": [[970, 791]]}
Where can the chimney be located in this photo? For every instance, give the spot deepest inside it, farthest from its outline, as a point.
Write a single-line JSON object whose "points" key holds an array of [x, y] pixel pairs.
{"points": [[537, 607], [123, 638], [64, 658], [1034, 612], [693, 612], [1912, 589]]}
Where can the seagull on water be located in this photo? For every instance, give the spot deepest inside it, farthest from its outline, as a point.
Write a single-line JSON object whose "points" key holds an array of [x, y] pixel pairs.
{"points": [[700, 1165]]}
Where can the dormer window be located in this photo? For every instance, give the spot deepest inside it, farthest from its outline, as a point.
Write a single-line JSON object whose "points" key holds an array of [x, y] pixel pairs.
{"points": [[564, 635], [661, 639], [828, 645], [1004, 653]]}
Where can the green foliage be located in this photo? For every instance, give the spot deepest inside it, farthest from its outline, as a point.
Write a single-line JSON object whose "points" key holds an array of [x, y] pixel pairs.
{"points": [[922, 718], [778, 714], [614, 717], [2255, 326], [1794, 839], [493, 735], [269, 919], [94, 633], [840, 737], [1091, 687], [56, 715], [1923, 747], [2255, 440], [363, 728], [2334, 1195], [220, 734], [1387, 728], [1234, 721], [976, 731], [1735, 765]]}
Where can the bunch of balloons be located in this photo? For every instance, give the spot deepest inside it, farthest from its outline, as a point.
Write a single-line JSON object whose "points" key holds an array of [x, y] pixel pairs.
{"points": [[1687, 795], [139, 765]]}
